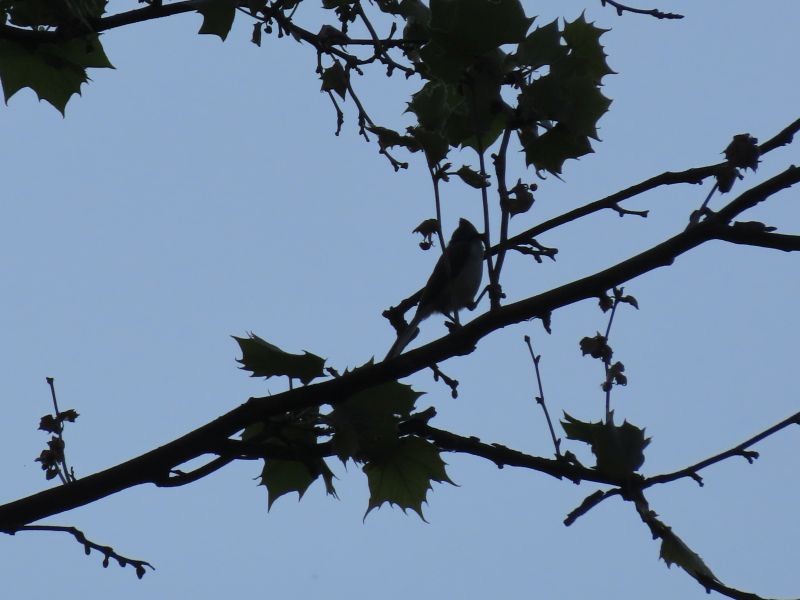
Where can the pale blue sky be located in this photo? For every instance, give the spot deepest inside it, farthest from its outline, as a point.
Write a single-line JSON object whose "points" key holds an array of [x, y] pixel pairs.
{"points": [[198, 191]]}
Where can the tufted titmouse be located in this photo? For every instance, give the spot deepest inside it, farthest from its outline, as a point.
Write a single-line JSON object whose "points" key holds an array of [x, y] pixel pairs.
{"points": [[452, 285]]}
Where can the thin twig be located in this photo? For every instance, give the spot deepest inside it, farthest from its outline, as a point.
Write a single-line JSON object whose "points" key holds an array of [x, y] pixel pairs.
{"points": [[607, 386], [438, 202], [696, 215], [64, 472], [693, 176], [179, 478], [678, 550], [738, 450], [540, 398], [589, 503], [502, 192], [653, 12], [88, 545], [449, 381]]}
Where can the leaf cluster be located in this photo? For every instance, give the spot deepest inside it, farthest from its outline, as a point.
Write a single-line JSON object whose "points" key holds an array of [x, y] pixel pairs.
{"points": [[485, 73], [364, 428], [54, 67]]}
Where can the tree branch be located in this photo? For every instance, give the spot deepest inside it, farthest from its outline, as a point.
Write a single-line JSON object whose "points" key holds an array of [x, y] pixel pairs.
{"points": [[154, 466], [740, 233], [695, 175], [675, 550], [653, 12], [130, 17], [738, 450], [88, 545], [642, 483]]}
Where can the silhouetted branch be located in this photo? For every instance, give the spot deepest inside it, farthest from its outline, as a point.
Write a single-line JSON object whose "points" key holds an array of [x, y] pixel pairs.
{"points": [[177, 478], [741, 233], [640, 483], [738, 450], [156, 464], [535, 358], [589, 503], [653, 12], [88, 545], [695, 175], [691, 562]]}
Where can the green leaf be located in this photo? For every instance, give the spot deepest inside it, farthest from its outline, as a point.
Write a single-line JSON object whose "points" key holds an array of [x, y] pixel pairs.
{"points": [[433, 104], [335, 79], [473, 27], [675, 552], [480, 115], [87, 52], [439, 62], [39, 13], [619, 449], [472, 178], [460, 112], [283, 476], [566, 102], [218, 17], [263, 359], [547, 152], [460, 129], [403, 476], [542, 47], [571, 98], [432, 143], [365, 424], [583, 39], [54, 71], [388, 138]]}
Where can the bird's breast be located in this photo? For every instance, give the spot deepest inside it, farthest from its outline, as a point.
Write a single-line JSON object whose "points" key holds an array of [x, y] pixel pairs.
{"points": [[467, 282]]}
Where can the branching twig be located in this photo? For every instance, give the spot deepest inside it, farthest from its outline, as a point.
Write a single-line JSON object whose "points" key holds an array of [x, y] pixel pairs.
{"points": [[449, 381], [53, 459], [653, 12], [675, 550], [339, 114], [738, 450], [88, 545], [624, 211], [589, 503], [503, 456], [695, 175], [379, 46], [642, 483], [536, 250], [64, 473]]}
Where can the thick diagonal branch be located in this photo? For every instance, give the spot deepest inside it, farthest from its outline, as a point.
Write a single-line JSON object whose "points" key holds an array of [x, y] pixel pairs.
{"points": [[155, 466]]}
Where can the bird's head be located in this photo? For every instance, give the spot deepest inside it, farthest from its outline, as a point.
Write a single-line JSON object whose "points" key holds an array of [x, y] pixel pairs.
{"points": [[465, 232]]}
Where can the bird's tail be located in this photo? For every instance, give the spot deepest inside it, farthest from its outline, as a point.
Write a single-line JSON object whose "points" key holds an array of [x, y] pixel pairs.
{"points": [[404, 338]]}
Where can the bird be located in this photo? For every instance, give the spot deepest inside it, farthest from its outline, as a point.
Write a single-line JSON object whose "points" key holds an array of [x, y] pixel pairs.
{"points": [[452, 285]]}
